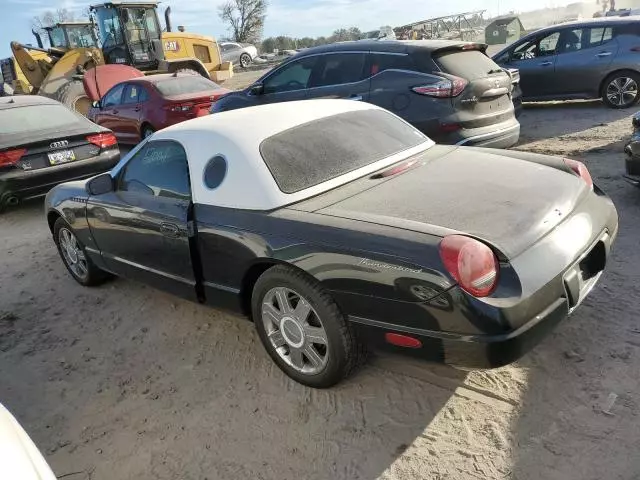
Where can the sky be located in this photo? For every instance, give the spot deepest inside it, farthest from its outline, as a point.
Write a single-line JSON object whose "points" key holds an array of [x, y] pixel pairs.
{"points": [[297, 18]]}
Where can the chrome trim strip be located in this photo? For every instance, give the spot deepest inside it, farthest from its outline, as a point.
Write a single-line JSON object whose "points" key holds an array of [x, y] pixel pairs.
{"points": [[151, 270], [224, 288]]}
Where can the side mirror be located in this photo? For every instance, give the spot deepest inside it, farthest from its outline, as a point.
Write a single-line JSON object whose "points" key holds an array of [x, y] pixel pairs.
{"points": [[96, 104], [257, 89], [100, 185]]}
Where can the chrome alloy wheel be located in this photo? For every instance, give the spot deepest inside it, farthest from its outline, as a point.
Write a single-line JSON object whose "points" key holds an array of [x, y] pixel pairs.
{"points": [[73, 255], [622, 91], [295, 330]]}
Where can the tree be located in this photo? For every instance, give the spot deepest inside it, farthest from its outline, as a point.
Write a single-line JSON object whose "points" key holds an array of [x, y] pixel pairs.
{"points": [[245, 18], [50, 18]]}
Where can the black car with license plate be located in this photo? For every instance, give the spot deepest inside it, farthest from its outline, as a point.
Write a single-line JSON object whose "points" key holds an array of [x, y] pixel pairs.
{"points": [[43, 143], [336, 225]]}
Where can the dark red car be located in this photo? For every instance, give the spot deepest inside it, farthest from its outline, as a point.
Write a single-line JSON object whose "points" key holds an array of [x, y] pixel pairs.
{"points": [[136, 108]]}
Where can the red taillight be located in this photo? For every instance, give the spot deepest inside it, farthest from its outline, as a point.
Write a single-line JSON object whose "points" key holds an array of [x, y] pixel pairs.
{"points": [[580, 169], [471, 263], [11, 157], [444, 88], [103, 140], [402, 340]]}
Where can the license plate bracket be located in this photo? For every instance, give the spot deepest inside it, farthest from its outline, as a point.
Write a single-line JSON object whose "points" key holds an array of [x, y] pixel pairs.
{"points": [[62, 156]]}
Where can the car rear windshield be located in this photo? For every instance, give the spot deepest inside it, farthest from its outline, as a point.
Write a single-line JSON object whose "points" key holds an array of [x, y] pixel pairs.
{"points": [[467, 64], [318, 151], [31, 118], [184, 85]]}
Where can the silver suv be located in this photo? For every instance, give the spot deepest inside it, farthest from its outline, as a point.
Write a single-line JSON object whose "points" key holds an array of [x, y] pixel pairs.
{"points": [[596, 58]]}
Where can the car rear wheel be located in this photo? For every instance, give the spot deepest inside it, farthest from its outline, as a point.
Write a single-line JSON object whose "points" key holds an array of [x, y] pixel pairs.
{"points": [[245, 60], [74, 256], [147, 131], [302, 328], [621, 90]]}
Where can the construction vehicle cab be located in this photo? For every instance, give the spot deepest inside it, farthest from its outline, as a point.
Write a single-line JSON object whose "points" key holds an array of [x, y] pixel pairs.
{"points": [[130, 33], [68, 35]]}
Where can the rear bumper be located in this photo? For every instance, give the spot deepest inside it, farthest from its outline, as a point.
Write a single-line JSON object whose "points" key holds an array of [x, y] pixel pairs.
{"points": [[556, 300], [500, 138], [23, 184], [472, 351]]}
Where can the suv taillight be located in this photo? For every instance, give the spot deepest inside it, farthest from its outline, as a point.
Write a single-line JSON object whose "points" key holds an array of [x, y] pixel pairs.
{"points": [[451, 86], [471, 263], [103, 140], [11, 157], [579, 169]]}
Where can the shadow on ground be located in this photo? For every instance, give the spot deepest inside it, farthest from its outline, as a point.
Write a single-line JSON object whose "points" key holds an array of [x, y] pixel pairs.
{"points": [[579, 415]]}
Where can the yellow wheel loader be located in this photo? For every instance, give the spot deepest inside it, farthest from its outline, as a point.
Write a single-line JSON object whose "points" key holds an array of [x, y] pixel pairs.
{"points": [[129, 33]]}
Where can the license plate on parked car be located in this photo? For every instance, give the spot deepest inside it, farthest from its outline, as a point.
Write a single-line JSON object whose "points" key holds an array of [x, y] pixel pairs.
{"points": [[64, 156]]}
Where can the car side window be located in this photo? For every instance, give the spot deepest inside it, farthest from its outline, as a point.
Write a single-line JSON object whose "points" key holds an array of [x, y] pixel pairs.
{"points": [[340, 68], [159, 169], [599, 36], [225, 47], [114, 97], [379, 62], [540, 47], [143, 95], [574, 40], [292, 76], [131, 93]]}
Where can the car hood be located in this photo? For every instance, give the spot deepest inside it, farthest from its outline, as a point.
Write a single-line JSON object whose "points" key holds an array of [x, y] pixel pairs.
{"points": [[508, 202], [19, 457]]}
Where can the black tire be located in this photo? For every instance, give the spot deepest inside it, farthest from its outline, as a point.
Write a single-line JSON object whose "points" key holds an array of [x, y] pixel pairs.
{"points": [[147, 130], [343, 350], [73, 96], [614, 82], [245, 60], [94, 276]]}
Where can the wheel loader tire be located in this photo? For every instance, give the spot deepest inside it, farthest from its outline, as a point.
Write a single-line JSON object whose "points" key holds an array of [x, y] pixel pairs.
{"points": [[72, 95]]}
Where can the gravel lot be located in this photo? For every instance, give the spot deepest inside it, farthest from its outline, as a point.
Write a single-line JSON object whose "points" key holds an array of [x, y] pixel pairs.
{"points": [[124, 382]]}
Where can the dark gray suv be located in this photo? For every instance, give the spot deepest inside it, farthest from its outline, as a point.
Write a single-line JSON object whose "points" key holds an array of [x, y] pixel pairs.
{"points": [[595, 58], [449, 90]]}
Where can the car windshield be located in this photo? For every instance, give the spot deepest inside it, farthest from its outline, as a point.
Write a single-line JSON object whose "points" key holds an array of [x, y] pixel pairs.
{"points": [[32, 118], [318, 151], [185, 84], [81, 36], [468, 64]]}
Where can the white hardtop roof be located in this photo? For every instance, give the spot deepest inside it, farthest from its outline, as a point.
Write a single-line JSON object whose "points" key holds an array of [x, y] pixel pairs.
{"points": [[237, 134]]}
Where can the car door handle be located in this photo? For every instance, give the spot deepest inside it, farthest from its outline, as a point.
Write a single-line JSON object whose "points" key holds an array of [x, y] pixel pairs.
{"points": [[546, 64], [114, 112], [357, 98], [603, 54], [137, 109], [169, 230]]}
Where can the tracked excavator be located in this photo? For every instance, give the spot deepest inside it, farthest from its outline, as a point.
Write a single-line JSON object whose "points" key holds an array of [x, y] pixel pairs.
{"points": [[128, 33]]}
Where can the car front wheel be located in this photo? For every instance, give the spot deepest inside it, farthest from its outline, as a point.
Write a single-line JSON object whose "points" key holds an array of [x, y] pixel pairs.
{"points": [[621, 90], [302, 328], [74, 256]]}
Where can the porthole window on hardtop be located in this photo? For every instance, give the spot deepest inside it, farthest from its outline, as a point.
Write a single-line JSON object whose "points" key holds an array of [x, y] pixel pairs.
{"points": [[215, 171]]}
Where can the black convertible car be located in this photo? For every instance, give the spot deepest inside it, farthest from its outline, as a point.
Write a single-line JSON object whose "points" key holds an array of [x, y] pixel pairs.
{"points": [[334, 224], [43, 143]]}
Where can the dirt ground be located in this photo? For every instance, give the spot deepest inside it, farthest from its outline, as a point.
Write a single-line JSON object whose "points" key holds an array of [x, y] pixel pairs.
{"points": [[124, 382]]}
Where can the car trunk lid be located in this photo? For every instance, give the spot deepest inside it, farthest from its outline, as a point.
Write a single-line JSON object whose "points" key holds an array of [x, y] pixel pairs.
{"points": [[504, 201], [200, 102]]}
